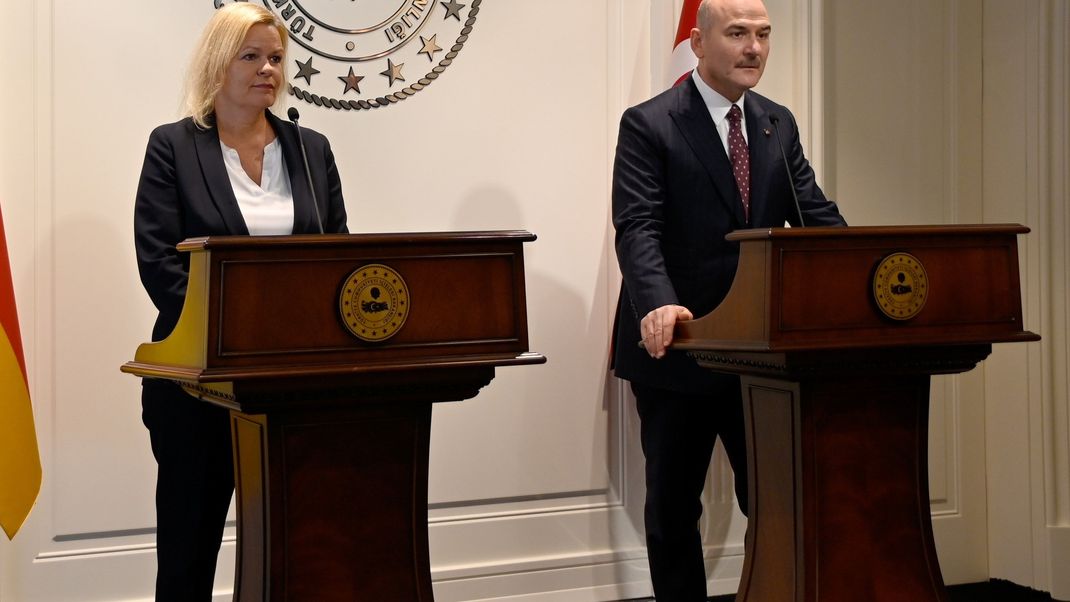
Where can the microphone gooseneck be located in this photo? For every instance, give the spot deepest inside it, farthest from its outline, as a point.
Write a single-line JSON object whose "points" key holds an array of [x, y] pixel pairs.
{"points": [[773, 119], [294, 117]]}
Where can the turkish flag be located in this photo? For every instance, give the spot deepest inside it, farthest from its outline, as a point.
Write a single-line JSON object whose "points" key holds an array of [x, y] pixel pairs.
{"points": [[683, 61]]}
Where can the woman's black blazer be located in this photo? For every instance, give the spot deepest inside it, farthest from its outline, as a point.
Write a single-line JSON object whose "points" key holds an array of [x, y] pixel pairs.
{"points": [[185, 192]]}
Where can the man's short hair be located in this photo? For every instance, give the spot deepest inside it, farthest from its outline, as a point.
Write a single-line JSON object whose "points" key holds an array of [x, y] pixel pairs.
{"points": [[705, 15]]}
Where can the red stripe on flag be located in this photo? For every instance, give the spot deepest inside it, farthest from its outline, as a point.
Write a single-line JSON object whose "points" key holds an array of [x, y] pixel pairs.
{"points": [[688, 21], [683, 61], [9, 317]]}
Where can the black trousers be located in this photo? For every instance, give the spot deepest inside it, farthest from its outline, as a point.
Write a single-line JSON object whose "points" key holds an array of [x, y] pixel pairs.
{"points": [[194, 484], [678, 431]]}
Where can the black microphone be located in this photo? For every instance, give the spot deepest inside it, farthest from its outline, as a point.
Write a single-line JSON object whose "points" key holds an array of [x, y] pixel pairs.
{"points": [[798, 210], [294, 116]]}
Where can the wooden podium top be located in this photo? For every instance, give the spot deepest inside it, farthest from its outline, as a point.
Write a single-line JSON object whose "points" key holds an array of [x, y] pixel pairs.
{"points": [[350, 240], [274, 307], [800, 289]]}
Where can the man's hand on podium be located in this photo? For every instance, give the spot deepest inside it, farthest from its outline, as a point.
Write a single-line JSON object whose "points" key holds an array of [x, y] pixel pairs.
{"points": [[657, 327]]}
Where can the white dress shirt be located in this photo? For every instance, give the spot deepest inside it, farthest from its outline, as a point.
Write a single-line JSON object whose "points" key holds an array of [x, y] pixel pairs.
{"points": [[718, 106], [268, 208]]}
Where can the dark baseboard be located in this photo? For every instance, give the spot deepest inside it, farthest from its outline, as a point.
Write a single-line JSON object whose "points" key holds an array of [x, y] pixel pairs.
{"points": [[996, 590]]}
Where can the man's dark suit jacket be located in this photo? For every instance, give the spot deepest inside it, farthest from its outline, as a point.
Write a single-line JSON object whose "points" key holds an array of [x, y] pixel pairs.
{"points": [[185, 192], [675, 199]]}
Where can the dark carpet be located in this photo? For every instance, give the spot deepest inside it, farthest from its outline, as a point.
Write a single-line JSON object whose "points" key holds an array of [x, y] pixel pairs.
{"points": [[995, 590]]}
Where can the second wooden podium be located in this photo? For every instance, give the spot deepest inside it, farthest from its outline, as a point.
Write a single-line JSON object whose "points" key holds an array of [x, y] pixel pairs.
{"points": [[835, 333], [329, 351]]}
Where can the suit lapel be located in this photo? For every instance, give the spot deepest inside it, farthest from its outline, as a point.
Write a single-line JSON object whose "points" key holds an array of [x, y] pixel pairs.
{"points": [[216, 180], [763, 152], [304, 214], [696, 125]]}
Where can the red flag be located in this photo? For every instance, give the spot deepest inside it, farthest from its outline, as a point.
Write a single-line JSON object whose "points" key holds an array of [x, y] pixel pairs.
{"points": [[20, 462], [683, 61]]}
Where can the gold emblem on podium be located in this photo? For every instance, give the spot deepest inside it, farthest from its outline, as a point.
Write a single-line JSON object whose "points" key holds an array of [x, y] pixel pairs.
{"points": [[900, 286], [374, 302]]}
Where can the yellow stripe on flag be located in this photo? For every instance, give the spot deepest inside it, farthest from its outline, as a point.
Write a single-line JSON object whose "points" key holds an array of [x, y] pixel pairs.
{"points": [[20, 464]]}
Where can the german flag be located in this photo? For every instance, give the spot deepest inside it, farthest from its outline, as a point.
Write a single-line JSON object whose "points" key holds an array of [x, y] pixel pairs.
{"points": [[20, 462]]}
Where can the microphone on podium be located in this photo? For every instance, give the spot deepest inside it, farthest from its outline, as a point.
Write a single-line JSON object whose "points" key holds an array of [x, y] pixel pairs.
{"points": [[294, 115], [773, 119]]}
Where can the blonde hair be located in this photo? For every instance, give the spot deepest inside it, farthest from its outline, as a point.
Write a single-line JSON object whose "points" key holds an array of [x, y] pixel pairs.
{"points": [[217, 47]]}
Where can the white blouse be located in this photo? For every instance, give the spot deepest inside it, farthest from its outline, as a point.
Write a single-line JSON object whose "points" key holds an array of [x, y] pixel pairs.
{"points": [[269, 207]]}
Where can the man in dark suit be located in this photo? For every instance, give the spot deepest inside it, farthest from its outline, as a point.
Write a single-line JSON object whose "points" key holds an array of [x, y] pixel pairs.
{"points": [[693, 164]]}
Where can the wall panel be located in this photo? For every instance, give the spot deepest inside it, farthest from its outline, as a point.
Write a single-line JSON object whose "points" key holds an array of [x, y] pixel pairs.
{"points": [[1025, 146]]}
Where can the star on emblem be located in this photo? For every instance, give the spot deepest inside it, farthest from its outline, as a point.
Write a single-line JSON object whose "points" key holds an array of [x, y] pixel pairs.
{"points": [[306, 70], [430, 47], [393, 71], [453, 9], [352, 81]]}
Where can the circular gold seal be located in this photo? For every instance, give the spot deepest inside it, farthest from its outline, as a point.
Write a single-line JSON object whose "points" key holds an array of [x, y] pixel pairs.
{"points": [[374, 302], [900, 286]]}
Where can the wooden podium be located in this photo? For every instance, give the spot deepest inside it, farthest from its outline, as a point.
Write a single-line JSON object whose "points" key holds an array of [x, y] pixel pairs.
{"points": [[329, 350], [835, 333]]}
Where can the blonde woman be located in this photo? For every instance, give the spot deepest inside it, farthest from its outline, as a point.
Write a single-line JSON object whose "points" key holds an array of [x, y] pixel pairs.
{"points": [[229, 167]]}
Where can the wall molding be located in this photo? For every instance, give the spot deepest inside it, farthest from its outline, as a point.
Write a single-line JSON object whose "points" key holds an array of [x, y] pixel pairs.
{"points": [[1055, 197]]}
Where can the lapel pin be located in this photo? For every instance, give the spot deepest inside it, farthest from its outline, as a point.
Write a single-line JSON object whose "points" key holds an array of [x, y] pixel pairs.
{"points": [[767, 132]]}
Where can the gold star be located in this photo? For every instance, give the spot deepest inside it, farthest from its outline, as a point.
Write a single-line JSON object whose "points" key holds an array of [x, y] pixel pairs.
{"points": [[352, 81], [430, 47], [393, 71], [453, 9]]}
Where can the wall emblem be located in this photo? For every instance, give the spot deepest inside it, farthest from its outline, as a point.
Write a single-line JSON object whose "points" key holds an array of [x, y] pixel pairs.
{"points": [[900, 286], [374, 303], [354, 55]]}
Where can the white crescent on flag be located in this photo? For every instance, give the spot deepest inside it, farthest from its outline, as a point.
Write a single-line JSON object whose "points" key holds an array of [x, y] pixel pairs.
{"points": [[683, 60]]}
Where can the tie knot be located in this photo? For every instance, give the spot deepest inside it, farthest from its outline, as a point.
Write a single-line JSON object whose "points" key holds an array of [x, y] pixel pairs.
{"points": [[735, 114]]}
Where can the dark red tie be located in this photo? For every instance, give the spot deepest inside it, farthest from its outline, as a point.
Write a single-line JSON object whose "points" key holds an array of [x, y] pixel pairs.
{"points": [[737, 150]]}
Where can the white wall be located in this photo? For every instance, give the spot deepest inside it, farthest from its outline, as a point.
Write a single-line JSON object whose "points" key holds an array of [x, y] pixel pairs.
{"points": [[528, 487], [1026, 137], [536, 485]]}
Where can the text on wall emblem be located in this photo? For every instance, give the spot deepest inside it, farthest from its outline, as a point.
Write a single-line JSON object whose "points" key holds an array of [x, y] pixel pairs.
{"points": [[356, 55]]}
